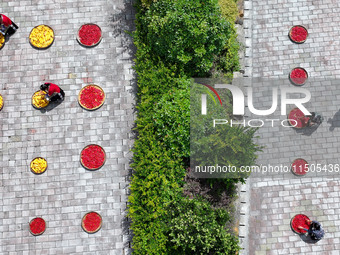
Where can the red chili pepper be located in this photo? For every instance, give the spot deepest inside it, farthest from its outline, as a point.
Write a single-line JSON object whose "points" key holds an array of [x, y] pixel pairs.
{"points": [[93, 156], [89, 34], [37, 225], [298, 76], [92, 221], [298, 34], [91, 97], [300, 220]]}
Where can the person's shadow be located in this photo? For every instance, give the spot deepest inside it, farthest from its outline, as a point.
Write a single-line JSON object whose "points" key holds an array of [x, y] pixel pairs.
{"points": [[335, 121], [50, 106], [307, 130], [308, 239]]}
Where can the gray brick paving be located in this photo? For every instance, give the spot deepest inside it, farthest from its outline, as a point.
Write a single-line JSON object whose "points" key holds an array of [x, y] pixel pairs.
{"points": [[274, 199], [66, 191]]}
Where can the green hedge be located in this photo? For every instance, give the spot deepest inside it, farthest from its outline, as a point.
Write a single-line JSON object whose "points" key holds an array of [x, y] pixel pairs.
{"points": [[196, 228], [187, 34], [174, 40]]}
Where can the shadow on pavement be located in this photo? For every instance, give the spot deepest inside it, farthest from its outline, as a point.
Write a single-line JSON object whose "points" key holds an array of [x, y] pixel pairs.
{"points": [[308, 131], [308, 239], [50, 106], [335, 121]]}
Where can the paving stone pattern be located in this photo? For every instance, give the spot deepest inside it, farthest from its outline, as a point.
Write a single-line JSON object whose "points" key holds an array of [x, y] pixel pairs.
{"points": [[275, 199], [66, 191]]}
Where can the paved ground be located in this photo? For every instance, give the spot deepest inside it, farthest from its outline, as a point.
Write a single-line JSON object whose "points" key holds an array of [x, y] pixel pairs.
{"points": [[66, 191], [275, 199]]}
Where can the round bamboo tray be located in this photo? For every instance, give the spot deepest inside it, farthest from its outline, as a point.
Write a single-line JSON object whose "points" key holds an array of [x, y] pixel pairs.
{"points": [[39, 108], [81, 160], [291, 225], [42, 48], [40, 233], [298, 84], [290, 32], [94, 108], [93, 45], [295, 173], [43, 170], [93, 231]]}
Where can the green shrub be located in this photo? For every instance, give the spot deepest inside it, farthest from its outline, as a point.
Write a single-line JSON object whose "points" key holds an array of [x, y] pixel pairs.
{"points": [[196, 228], [174, 40], [172, 121], [229, 10], [228, 60], [224, 144], [157, 180], [187, 34]]}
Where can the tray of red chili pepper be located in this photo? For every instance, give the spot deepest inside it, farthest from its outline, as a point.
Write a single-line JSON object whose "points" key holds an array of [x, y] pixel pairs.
{"points": [[299, 167], [299, 220], [89, 35], [298, 76], [37, 226], [91, 222], [298, 34], [92, 157], [91, 97], [297, 118]]}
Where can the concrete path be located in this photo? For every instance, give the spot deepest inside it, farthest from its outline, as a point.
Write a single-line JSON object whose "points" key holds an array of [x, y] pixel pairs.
{"points": [[274, 199], [66, 191]]}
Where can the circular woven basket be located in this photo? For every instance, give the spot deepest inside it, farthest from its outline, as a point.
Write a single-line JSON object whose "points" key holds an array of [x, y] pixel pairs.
{"points": [[93, 45], [42, 48], [40, 233], [290, 122], [42, 171], [298, 84], [97, 229], [39, 108], [92, 169], [3, 45], [2, 106], [291, 225], [290, 31], [295, 173], [95, 108]]}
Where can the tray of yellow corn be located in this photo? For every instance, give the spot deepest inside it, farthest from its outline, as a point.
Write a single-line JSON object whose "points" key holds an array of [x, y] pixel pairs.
{"points": [[2, 41], [1, 102], [41, 37], [38, 100], [38, 165]]}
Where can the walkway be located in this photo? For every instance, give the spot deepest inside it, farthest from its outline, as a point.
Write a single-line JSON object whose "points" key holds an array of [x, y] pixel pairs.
{"points": [[275, 199], [66, 191]]}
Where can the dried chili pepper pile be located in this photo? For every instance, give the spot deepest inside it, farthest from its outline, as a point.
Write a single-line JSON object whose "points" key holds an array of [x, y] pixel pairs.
{"points": [[297, 115], [91, 222], [91, 97], [298, 76], [298, 34], [93, 156], [300, 220], [37, 226], [89, 34], [300, 166]]}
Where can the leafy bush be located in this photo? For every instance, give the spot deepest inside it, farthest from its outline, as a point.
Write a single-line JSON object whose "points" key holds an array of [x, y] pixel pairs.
{"points": [[196, 228], [157, 180], [158, 165], [172, 121], [229, 9], [224, 145], [175, 39], [228, 60], [187, 34]]}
